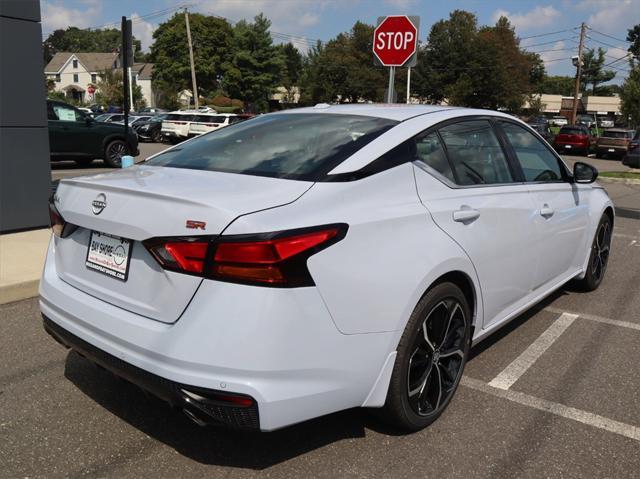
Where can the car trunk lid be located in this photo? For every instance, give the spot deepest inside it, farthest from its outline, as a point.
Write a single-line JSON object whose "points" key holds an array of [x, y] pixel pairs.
{"points": [[144, 202]]}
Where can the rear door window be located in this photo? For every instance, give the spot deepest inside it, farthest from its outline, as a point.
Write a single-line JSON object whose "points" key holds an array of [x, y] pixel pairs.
{"points": [[535, 159], [475, 153], [430, 151]]}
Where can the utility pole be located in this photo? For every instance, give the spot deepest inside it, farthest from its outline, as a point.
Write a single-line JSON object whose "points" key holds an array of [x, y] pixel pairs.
{"points": [[193, 69], [574, 115]]}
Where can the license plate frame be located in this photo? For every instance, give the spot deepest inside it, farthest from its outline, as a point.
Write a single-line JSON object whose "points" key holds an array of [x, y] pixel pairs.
{"points": [[102, 260]]}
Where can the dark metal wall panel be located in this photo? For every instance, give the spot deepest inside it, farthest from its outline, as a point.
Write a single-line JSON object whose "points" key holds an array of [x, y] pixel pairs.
{"points": [[25, 173]]}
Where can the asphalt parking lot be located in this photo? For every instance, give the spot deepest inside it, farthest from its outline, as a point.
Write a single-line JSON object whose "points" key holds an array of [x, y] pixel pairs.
{"points": [[556, 393]]}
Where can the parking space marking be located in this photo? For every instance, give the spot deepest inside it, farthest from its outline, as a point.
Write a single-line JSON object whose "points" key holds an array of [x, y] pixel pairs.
{"points": [[557, 409], [519, 366], [622, 235], [599, 319]]}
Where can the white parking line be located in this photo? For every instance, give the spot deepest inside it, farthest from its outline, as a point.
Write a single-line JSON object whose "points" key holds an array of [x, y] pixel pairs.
{"points": [[584, 417], [519, 366], [599, 319]]}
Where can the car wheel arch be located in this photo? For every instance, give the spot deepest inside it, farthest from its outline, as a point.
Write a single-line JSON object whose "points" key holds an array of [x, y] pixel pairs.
{"points": [[108, 139]]}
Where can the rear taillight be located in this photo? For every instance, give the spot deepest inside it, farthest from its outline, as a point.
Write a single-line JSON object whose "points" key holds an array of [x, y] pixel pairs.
{"points": [[633, 145], [271, 259], [58, 225]]}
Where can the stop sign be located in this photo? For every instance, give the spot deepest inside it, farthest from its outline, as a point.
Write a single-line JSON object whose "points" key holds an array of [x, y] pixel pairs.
{"points": [[395, 40]]}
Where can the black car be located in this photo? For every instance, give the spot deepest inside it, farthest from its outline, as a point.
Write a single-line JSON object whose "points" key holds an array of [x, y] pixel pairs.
{"points": [[150, 130], [543, 130], [73, 135]]}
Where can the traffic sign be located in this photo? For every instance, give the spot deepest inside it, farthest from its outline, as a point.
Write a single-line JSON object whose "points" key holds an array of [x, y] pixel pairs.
{"points": [[395, 41]]}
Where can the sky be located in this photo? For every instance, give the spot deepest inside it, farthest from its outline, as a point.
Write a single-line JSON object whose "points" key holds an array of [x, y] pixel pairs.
{"points": [[550, 27]]}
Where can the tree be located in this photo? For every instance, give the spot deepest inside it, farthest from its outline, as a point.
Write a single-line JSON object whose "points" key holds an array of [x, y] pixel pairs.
{"points": [[592, 70], [557, 85], [630, 97], [293, 69], [111, 92], [343, 70], [633, 36], [212, 48], [256, 66], [75, 39], [477, 67]]}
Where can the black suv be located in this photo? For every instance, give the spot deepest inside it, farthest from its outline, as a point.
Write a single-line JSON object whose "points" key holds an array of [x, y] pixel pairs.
{"points": [[73, 135]]}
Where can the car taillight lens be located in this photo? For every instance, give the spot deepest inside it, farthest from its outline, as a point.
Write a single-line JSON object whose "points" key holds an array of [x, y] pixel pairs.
{"points": [[272, 259], [58, 225], [633, 145]]}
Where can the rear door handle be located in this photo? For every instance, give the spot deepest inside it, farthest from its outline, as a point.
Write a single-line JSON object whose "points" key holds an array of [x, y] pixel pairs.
{"points": [[546, 211], [465, 215]]}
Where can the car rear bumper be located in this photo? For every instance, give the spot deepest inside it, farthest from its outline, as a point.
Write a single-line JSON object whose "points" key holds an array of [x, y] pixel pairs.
{"points": [[277, 346], [617, 150]]}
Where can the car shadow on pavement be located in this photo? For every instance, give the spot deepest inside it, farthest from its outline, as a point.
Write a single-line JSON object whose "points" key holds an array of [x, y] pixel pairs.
{"points": [[208, 445], [71, 165]]}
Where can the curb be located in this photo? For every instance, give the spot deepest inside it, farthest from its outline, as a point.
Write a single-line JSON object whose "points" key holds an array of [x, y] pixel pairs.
{"points": [[624, 181], [19, 291]]}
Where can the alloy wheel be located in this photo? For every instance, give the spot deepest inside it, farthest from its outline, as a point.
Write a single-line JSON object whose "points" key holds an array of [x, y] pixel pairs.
{"points": [[116, 151], [435, 364], [601, 246]]}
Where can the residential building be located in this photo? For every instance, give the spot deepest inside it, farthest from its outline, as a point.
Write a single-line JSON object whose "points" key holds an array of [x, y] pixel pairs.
{"points": [[78, 74]]}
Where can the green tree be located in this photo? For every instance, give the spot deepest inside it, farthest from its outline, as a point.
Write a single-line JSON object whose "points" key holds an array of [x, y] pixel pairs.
{"points": [[630, 97], [557, 85], [111, 92], [593, 72], [293, 68], [256, 66], [212, 48], [75, 39], [343, 70], [633, 36]]}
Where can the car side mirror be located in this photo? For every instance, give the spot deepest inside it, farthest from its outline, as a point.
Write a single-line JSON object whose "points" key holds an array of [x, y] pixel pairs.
{"points": [[584, 173]]}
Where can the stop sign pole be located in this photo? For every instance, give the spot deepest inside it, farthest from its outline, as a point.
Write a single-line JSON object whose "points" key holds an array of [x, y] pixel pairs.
{"points": [[395, 44]]}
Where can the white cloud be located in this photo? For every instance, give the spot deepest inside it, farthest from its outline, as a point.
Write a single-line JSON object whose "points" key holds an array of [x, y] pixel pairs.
{"points": [[615, 17], [309, 19], [539, 17], [403, 4], [142, 30], [55, 15]]}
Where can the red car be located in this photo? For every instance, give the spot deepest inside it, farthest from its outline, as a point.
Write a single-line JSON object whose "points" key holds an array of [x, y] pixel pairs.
{"points": [[574, 139]]}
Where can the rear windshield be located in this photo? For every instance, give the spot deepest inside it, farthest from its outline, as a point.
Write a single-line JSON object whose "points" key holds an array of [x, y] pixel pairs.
{"points": [[179, 117], [572, 130], [209, 119], [617, 134], [302, 146]]}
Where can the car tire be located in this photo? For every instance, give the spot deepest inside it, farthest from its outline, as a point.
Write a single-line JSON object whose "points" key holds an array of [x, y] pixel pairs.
{"points": [[83, 162], [156, 136], [430, 359], [598, 256], [114, 151]]}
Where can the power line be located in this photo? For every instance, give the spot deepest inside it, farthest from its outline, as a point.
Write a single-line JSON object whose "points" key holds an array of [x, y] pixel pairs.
{"points": [[606, 44], [610, 36], [546, 43], [617, 59], [550, 33]]}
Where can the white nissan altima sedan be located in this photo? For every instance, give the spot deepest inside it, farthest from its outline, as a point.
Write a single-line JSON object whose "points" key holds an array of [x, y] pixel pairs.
{"points": [[319, 259]]}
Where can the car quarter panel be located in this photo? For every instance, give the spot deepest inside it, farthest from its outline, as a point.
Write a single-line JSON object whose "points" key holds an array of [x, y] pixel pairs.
{"points": [[373, 278]]}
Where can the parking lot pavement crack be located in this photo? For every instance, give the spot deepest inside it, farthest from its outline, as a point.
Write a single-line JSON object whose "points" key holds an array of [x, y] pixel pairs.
{"points": [[584, 417]]}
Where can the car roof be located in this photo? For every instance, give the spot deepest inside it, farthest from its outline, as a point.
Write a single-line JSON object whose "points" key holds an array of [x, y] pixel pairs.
{"points": [[391, 111]]}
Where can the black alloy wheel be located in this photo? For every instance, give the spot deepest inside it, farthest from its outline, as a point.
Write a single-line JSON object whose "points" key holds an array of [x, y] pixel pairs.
{"points": [[599, 256], [430, 360]]}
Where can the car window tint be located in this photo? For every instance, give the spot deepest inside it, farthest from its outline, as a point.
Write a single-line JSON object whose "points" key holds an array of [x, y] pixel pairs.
{"points": [[64, 113], [303, 146], [475, 153], [615, 134], [536, 161], [430, 151], [573, 130]]}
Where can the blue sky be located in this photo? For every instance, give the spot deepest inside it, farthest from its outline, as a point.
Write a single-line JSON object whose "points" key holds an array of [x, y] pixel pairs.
{"points": [[306, 20]]}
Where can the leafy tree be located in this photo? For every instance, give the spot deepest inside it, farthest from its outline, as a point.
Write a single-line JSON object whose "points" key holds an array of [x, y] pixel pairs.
{"points": [[75, 39], [212, 48], [110, 90], [592, 70], [633, 36], [557, 85], [293, 68], [630, 97], [477, 67], [256, 66], [343, 69]]}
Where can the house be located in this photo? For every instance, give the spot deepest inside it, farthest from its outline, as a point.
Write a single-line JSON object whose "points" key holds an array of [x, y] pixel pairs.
{"points": [[602, 106], [77, 74]]}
